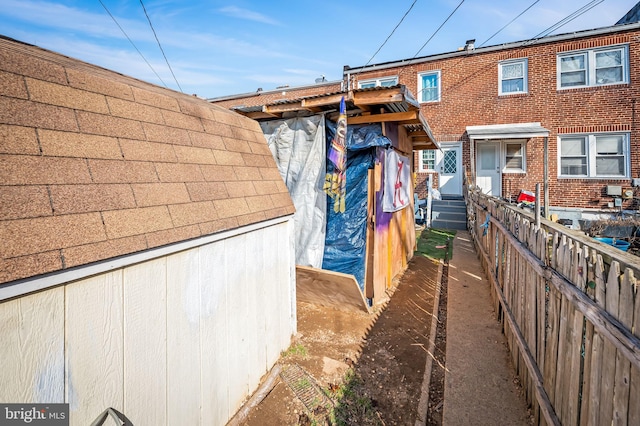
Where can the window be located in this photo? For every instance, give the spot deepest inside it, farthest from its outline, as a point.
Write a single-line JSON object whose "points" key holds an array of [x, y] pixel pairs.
{"points": [[594, 156], [512, 76], [427, 160], [514, 160], [596, 67], [378, 82], [429, 86]]}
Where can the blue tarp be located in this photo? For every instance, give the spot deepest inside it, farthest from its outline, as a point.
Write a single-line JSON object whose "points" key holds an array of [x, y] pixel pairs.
{"points": [[346, 236]]}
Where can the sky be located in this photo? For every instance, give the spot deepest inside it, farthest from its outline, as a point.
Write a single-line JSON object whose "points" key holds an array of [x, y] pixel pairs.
{"points": [[219, 48]]}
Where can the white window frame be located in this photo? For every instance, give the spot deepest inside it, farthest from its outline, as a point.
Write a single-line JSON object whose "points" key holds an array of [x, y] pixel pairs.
{"points": [[525, 76], [439, 87], [523, 151], [591, 155], [590, 66], [421, 167], [378, 82]]}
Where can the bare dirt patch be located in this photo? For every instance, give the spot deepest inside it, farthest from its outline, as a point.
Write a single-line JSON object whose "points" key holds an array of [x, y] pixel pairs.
{"points": [[371, 367]]}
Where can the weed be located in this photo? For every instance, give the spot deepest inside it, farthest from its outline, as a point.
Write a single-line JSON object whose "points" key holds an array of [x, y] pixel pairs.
{"points": [[296, 349]]}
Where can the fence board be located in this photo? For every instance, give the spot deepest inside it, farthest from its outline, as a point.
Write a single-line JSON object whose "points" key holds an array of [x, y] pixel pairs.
{"points": [[634, 388], [564, 316], [623, 366], [612, 295]]}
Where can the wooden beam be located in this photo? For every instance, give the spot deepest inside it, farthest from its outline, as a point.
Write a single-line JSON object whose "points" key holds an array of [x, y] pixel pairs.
{"points": [[379, 96], [324, 100], [257, 115], [280, 108], [381, 118]]}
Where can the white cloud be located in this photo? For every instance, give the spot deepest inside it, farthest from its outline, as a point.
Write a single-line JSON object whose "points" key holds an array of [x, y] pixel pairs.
{"points": [[238, 12]]}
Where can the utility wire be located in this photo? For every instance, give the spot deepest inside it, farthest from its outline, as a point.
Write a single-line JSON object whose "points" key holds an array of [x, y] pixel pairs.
{"points": [[524, 43], [510, 22], [132, 43], [436, 31], [160, 46], [389, 36], [568, 18]]}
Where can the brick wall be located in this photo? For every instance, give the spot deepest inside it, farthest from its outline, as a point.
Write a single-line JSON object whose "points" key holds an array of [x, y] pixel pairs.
{"points": [[470, 97]]}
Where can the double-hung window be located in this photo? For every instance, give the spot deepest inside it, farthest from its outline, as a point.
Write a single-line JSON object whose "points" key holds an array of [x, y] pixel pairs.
{"points": [[429, 87], [378, 82], [427, 160], [594, 156], [596, 67], [514, 160], [512, 76]]}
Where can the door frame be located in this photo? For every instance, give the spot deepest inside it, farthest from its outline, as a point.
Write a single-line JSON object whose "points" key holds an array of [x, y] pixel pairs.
{"points": [[499, 166], [457, 145]]}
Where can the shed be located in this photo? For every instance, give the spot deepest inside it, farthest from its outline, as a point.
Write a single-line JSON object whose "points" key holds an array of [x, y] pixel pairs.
{"points": [[146, 256], [370, 242]]}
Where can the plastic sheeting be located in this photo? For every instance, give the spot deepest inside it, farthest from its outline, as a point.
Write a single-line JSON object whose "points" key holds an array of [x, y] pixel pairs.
{"points": [[299, 148], [346, 237]]}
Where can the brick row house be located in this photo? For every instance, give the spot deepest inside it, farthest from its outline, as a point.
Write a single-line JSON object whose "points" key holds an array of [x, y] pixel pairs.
{"points": [[560, 111]]}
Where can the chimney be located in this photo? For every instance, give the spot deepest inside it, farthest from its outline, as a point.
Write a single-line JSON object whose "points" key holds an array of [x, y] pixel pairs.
{"points": [[470, 45]]}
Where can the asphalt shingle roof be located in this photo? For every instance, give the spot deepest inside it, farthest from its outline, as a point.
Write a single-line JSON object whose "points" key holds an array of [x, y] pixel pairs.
{"points": [[94, 165]]}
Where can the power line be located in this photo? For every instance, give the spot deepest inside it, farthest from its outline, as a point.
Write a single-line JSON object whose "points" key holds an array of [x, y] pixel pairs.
{"points": [[389, 36], [587, 7], [510, 22], [160, 46], [524, 43], [132, 43], [436, 31]]}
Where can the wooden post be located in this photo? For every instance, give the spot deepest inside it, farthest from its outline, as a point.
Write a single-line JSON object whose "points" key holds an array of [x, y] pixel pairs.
{"points": [[537, 205], [546, 177]]}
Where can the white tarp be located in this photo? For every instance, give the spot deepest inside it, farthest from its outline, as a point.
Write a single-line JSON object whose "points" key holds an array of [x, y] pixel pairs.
{"points": [[397, 180], [299, 148]]}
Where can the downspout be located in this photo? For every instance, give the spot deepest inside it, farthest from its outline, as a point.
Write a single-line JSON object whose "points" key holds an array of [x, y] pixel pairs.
{"points": [[546, 177]]}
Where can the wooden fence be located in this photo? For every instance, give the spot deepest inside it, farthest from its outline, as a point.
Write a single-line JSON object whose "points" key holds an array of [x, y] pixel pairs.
{"points": [[570, 311]]}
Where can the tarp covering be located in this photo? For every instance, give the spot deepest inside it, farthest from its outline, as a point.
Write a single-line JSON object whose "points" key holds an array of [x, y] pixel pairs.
{"points": [[397, 179], [299, 148], [345, 242]]}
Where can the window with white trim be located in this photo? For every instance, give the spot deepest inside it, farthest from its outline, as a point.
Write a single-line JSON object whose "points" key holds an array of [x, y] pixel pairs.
{"points": [[603, 155], [378, 82], [596, 67], [512, 76], [429, 87], [427, 160], [514, 157]]}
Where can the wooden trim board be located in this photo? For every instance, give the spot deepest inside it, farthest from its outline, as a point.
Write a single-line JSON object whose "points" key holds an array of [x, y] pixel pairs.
{"points": [[329, 288]]}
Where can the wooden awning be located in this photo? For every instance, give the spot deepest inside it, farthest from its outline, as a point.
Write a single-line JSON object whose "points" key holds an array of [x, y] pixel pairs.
{"points": [[364, 106]]}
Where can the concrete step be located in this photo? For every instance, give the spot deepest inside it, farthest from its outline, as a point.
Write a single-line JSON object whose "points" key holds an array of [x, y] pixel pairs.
{"points": [[449, 224], [448, 208], [449, 215]]}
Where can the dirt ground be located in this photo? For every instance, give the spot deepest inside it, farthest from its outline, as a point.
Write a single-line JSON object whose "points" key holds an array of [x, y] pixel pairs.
{"points": [[368, 368]]}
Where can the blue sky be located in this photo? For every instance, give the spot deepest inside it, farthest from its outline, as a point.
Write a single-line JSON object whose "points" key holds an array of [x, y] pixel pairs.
{"points": [[219, 48]]}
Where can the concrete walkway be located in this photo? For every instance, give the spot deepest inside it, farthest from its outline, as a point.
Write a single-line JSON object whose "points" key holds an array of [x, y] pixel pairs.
{"points": [[480, 381]]}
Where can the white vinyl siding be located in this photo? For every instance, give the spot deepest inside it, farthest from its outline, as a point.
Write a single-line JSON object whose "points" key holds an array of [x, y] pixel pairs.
{"points": [[596, 67], [594, 155]]}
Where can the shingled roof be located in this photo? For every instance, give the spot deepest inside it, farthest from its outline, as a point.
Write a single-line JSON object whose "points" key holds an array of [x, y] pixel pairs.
{"points": [[94, 165]]}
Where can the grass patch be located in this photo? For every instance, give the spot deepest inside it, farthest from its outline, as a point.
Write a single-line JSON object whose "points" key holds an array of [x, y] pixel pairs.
{"points": [[353, 406], [295, 350], [431, 243]]}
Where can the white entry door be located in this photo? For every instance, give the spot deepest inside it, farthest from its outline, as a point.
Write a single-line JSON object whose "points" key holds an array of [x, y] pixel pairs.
{"points": [[450, 168], [488, 176]]}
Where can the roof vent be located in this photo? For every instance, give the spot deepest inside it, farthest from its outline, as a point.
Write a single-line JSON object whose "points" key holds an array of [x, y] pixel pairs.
{"points": [[470, 44]]}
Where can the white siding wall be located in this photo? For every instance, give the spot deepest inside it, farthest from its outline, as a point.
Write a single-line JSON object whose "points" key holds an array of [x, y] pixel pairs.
{"points": [[180, 339]]}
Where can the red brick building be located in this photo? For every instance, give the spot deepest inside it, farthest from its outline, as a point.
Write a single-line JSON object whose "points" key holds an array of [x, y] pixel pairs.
{"points": [[560, 109]]}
